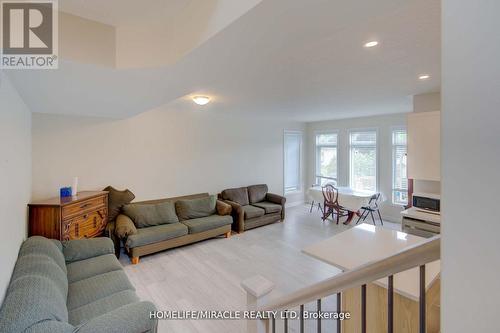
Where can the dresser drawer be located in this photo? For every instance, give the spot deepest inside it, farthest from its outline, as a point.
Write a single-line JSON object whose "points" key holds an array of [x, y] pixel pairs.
{"points": [[83, 207], [85, 226]]}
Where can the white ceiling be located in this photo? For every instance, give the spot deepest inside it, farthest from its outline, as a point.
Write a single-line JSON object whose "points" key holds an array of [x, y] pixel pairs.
{"points": [[124, 12], [301, 60]]}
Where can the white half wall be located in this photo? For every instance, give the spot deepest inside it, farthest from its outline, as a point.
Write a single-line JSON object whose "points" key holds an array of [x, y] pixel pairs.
{"points": [[15, 177], [161, 153], [384, 126], [470, 248]]}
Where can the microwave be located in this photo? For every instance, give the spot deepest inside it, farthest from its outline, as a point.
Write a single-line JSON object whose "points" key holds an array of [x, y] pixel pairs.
{"points": [[427, 202]]}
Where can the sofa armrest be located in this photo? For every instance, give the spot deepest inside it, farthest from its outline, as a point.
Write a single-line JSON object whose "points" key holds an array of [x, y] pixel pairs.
{"points": [[110, 229], [110, 232], [277, 199], [81, 249], [223, 208], [238, 215], [124, 226], [130, 318]]}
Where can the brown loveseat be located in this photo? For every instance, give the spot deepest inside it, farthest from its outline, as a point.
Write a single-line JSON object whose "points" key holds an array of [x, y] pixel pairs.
{"points": [[253, 206], [152, 226]]}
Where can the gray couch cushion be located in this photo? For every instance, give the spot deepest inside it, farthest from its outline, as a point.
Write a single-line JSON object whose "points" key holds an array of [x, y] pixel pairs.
{"points": [[253, 212], [81, 249], [52, 326], [195, 208], [133, 317], [31, 299], [42, 245], [148, 215], [238, 195], [257, 193], [103, 305], [91, 289], [156, 234], [269, 207], [43, 266], [84, 269], [207, 223]]}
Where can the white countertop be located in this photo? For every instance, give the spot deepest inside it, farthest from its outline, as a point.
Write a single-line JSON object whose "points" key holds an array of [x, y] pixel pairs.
{"points": [[365, 243]]}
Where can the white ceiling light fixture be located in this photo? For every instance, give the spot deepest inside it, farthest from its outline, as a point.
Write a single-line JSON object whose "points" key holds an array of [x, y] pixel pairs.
{"points": [[424, 77], [201, 100], [372, 43]]}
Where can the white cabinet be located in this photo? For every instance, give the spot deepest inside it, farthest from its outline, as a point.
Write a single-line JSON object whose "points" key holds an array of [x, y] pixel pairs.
{"points": [[424, 146]]}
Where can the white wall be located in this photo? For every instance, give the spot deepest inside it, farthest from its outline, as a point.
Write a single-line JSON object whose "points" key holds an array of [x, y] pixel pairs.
{"points": [[160, 153], [470, 167], [15, 177], [384, 126], [148, 44], [427, 103]]}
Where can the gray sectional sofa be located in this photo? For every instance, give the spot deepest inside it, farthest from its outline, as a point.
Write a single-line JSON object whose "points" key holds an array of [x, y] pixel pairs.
{"points": [[151, 226], [76, 286]]}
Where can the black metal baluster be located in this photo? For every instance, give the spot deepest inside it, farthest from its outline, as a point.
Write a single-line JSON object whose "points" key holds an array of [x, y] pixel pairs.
{"points": [[318, 303], [339, 309], [422, 300], [301, 318], [390, 305], [363, 308], [286, 323], [273, 323]]}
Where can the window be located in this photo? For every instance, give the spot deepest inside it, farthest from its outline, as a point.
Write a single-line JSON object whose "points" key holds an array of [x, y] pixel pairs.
{"points": [[326, 158], [363, 166], [293, 141], [399, 176]]}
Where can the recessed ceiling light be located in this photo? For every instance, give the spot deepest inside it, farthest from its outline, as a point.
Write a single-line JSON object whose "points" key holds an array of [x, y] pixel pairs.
{"points": [[371, 44], [201, 100], [424, 77]]}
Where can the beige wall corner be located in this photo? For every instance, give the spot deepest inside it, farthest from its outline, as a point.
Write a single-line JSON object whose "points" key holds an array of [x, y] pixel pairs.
{"points": [[153, 44], [427, 102], [86, 41]]}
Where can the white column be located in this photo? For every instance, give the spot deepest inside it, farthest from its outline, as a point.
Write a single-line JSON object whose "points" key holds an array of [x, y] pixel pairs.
{"points": [[257, 288]]}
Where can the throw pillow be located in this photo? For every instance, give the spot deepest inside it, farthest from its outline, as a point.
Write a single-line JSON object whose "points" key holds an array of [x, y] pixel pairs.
{"points": [[116, 201], [124, 226], [257, 193], [196, 208], [148, 215]]}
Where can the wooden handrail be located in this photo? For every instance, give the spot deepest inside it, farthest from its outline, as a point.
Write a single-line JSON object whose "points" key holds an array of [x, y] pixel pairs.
{"points": [[408, 258]]}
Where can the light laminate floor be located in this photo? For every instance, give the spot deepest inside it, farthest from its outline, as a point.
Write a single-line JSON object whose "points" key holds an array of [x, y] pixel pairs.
{"points": [[207, 275]]}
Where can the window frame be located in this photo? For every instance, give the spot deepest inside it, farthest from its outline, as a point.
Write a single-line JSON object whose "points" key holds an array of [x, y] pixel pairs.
{"points": [[317, 147], [298, 189], [393, 162], [377, 153]]}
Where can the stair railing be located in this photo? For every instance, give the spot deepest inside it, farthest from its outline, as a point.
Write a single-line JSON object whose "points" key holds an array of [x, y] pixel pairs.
{"points": [[411, 257]]}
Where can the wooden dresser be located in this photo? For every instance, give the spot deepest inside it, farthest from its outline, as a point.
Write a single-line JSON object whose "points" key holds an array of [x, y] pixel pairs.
{"points": [[83, 216]]}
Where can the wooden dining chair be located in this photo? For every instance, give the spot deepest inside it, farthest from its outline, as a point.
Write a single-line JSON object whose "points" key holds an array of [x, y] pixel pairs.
{"points": [[371, 208], [331, 203]]}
